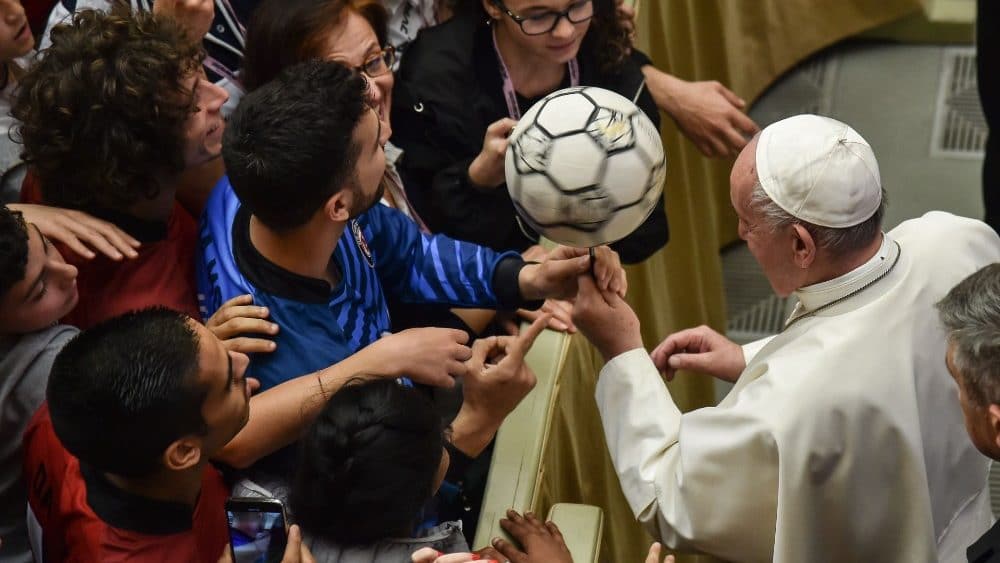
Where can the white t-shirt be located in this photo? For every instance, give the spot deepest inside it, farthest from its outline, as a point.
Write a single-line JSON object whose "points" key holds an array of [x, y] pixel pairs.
{"points": [[406, 18]]}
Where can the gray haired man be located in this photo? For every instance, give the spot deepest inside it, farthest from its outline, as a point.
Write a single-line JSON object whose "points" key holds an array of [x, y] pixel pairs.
{"points": [[970, 314]]}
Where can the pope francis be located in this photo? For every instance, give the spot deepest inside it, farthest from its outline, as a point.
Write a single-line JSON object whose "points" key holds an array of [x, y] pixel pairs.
{"points": [[842, 439]]}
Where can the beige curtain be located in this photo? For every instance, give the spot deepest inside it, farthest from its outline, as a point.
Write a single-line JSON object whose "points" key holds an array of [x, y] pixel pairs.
{"points": [[745, 44]]}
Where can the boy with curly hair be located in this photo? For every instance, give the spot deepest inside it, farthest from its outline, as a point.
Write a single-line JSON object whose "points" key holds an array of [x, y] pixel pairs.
{"points": [[111, 118]]}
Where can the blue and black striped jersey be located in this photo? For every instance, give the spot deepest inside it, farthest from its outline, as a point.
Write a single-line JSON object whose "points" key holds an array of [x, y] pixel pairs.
{"points": [[381, 251]]}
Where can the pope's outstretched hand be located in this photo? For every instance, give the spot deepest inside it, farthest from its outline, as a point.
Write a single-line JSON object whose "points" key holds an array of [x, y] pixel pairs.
{"points": [[702, 350]]}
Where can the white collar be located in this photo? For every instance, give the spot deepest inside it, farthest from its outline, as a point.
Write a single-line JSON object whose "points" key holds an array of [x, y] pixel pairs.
{"points": [[392, 154], [814, 296]]}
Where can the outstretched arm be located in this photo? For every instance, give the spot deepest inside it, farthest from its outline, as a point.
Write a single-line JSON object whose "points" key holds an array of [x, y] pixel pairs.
{"points": [[278, 416], [708, 113], [709, 483], [81, 232]]}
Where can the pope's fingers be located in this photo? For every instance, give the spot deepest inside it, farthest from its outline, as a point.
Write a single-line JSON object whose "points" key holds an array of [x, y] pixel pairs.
{"points": [[671, 345], [586, 291], [562, 315], [699, 361], [619, 282]]}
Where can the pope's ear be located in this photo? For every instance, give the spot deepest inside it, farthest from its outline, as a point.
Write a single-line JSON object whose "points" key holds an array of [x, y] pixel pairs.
{"points": [[803, 246]]}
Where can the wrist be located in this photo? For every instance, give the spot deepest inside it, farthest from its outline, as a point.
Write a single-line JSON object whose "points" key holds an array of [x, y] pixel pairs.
{"points": [[624, 355], [374, 361], [473, 429], [527, 284], [626, 337], [478, 177], [507, 284], [663, 87], [614, 349]]}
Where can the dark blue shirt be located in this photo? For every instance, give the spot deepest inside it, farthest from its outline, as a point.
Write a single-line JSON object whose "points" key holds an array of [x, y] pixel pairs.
{"points": [[382, 251]]}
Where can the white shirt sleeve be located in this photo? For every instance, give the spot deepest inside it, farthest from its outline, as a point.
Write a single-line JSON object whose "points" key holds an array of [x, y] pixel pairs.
{"points": [[750, 350], [705, 480]]}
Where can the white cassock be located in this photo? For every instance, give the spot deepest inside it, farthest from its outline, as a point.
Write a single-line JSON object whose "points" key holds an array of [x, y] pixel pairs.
{"points": [[843, 439]]}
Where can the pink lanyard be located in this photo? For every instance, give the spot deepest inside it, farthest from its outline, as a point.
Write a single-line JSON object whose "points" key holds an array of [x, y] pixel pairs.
{"points": [[510, 95], [225, 9], [219, 69]]}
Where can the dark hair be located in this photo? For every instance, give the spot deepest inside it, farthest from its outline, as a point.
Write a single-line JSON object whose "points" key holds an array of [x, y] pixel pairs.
{"points": [[289, 146], [102, 113], [607, 35], [13, 249], [284, 32], [367, 465], [122, 391]]}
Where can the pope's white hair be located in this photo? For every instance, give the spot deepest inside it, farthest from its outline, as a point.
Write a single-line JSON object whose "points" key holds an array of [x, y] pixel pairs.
{"points": [[838, 242]]}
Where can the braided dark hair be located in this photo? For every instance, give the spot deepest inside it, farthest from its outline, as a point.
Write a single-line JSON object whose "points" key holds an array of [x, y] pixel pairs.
{"points": [[367, 464]]}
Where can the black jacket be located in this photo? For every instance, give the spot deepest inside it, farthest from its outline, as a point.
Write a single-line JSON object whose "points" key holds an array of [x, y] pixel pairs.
{"points": [[448, 91], [987, 548]]}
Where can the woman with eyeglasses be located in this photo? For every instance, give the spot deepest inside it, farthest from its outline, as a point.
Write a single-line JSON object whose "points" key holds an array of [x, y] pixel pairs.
{"points": [[464, 84], [354, 32]]}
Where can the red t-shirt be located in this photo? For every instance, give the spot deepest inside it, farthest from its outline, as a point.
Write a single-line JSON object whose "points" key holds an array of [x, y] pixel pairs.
{"points": [[86, 519], [162, 274]]}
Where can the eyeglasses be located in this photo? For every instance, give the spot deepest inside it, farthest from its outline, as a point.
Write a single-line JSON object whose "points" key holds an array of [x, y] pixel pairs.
{"points": [[578, 12], [378, 63]]}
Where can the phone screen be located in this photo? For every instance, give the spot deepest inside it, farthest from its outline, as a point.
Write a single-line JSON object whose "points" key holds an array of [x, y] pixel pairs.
{"points": [[256, 531]]}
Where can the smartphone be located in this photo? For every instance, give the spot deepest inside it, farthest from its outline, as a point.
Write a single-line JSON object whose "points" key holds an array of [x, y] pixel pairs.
{"points": [[257, 529]]}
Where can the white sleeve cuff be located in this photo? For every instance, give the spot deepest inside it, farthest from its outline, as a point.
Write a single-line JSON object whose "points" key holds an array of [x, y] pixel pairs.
{"points": [[750, 350]]}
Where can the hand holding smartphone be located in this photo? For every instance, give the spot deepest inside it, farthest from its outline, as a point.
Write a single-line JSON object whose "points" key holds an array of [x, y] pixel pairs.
{"points": [[258, 531]]}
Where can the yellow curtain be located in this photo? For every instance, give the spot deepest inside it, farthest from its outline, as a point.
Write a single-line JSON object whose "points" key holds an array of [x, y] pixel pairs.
{"points": [[745, 44]]}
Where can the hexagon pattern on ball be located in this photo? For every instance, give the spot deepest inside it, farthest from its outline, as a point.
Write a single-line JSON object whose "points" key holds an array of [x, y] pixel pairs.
{"points": [[535, 148], [565, 112], [576, 162], [537, 193], [612, 130], [585, 167]]}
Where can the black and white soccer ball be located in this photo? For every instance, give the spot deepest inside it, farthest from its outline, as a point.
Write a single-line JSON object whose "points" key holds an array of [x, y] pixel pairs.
{"points": [[585, 167]]}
